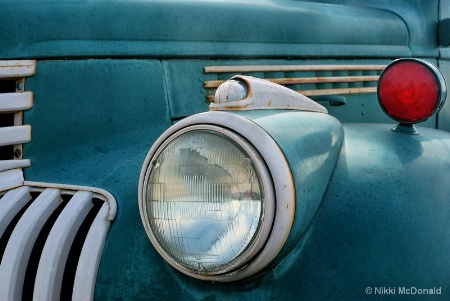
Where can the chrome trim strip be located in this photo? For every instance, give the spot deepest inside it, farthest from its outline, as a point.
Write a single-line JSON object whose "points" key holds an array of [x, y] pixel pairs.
{"points": [[15, 102], [17, 68], [13, 164], [15, 135], [291, 68]]}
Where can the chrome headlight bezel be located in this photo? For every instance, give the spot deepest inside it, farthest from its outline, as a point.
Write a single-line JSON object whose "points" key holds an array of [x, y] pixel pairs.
{"points": [[276, 178], [262, 231]]}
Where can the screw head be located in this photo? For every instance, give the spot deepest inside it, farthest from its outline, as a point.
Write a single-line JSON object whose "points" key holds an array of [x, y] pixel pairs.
{"points": [[17, 153]]}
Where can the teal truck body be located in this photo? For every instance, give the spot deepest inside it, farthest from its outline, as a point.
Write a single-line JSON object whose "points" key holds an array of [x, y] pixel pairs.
{"points": [[372, 207]]}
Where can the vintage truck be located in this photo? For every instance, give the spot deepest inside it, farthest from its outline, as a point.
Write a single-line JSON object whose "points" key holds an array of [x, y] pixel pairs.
{"points": [[224, 150]]}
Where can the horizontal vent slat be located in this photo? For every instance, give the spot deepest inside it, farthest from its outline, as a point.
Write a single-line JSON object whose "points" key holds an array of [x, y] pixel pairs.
{"points": [[20, 245], [17, 68], [10, 179], [291, 68], [15, 135], [54, 255], [14, 102], [306, 80], [87, 269], [338, 91], [14, 164]]}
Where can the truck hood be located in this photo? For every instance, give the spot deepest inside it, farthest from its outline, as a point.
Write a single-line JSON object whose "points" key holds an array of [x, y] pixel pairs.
{"points": [[121, 28]]}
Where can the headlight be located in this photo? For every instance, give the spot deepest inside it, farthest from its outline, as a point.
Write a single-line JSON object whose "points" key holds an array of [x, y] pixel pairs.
{"points": [[208, 200], [207, 197], [224, 195]]}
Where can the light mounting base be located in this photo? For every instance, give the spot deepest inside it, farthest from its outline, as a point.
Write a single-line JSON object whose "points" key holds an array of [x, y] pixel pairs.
{"points": [[405, 128]]}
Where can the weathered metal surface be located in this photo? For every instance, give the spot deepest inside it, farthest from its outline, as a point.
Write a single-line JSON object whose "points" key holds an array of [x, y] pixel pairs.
{"points": [[287, 79], [260, 95], [291, 68], [14, 102], [187, 94], [15, 135], [383, 222], [199, 29], [17, 68], [13, 164], [306, 80], [343, 91]]}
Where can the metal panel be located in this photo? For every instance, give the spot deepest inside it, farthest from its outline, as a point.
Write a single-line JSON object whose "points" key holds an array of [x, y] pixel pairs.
{"points": [[56, 250], [14, 102], [17, 252], [17, 68], [11, 203], [15, 135], [86, 274]]}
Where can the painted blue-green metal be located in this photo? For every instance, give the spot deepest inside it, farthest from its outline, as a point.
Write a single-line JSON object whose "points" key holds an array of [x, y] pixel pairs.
{"points": [[383, 223], [113, 75], [310, 143], [201, 28], [186, 92], [93, 122]]}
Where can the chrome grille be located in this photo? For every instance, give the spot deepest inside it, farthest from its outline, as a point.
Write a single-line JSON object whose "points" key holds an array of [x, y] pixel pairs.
{"points": [[51, 241], [13, 101]]}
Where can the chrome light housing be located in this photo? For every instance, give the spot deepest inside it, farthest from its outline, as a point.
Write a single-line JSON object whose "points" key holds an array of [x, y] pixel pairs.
{"points": [[207, 197], [219, 191], [209, 201]]}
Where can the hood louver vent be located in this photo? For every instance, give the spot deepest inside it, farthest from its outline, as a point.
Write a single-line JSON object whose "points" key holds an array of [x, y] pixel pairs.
{"points": [[309, 80]]}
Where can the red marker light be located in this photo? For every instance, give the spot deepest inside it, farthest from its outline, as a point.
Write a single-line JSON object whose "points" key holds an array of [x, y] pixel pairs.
{"points": [[411, 90]]}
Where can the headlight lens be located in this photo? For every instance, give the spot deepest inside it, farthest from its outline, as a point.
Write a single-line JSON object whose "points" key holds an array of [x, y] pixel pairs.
{"points": [[207, 200]]}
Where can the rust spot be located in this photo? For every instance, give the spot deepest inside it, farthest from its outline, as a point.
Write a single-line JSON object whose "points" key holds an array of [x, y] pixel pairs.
{"points": [[230, 108]]}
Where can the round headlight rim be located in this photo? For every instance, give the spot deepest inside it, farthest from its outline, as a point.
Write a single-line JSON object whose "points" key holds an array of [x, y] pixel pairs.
{"points": [[268, 207], [281, 176]]}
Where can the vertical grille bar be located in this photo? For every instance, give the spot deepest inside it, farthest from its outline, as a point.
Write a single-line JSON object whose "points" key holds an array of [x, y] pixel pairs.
{"points": [[11, 203], [17, 253], [54, 255], [87, 269]]}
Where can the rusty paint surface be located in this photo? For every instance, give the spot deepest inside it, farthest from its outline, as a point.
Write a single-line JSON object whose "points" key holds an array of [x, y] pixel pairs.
{"points": [[291, 68], [17, 68], [306, 80], [342, 91]]}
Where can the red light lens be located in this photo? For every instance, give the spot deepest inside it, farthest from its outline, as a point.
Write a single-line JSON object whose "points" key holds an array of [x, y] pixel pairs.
{"points": [[408, 91]]}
